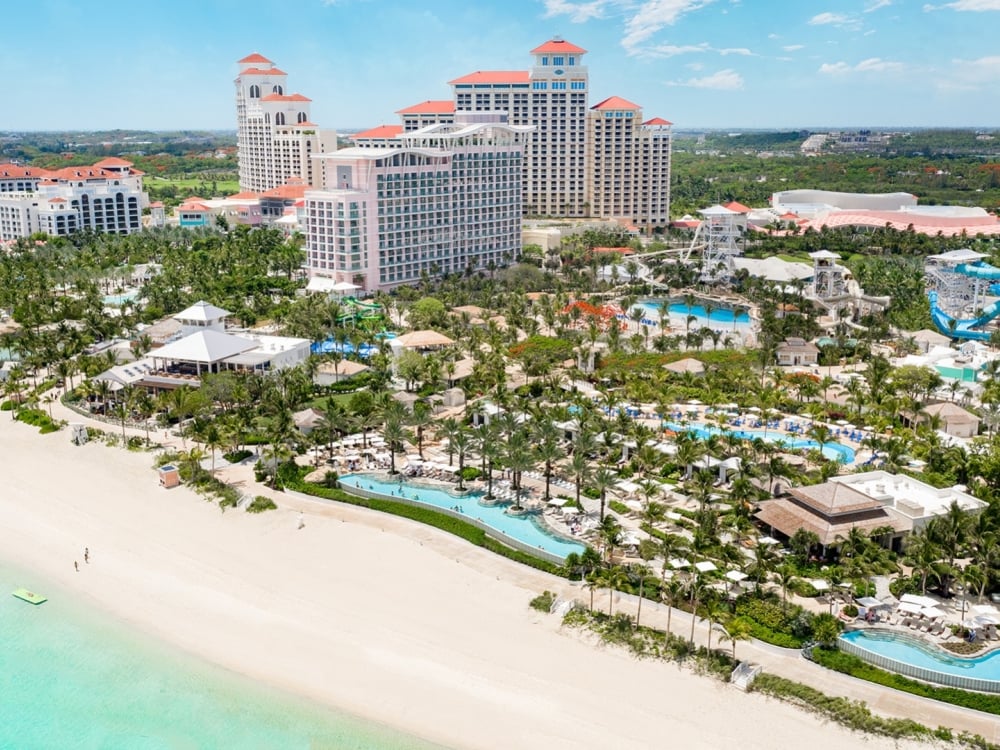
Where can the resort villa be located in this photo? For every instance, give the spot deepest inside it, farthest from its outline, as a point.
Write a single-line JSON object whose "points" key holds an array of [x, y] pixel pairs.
{"points": [[796, 351], [872, 500], [204, 346]]}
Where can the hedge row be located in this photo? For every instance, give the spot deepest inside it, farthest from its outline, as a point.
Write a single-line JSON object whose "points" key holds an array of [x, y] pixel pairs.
{"points": [[857, 667], [430, 517]]}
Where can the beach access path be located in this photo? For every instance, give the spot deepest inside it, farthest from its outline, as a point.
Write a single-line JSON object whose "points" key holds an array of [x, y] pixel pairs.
{"points": [[384, 618]]}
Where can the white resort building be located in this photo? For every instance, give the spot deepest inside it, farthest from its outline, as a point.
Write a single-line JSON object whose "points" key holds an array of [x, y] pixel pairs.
{"points": [[442, 199], [105, 197], [274, 136], [201, 346]]}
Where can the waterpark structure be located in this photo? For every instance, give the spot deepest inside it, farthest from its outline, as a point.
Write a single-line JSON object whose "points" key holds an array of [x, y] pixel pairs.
{"points": [[961, 289]]}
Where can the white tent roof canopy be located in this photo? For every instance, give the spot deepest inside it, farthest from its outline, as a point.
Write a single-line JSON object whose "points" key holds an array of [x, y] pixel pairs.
{"points": [[203, 312], [206, 346]]}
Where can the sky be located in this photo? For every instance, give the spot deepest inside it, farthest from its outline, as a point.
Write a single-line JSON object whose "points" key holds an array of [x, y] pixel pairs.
{"points": [[730, 64]]}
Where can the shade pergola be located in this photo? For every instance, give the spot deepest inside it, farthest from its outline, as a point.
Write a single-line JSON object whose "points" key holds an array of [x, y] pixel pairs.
{"points": [[819, 584], [678, 563], [705, 566], [736, 576]]}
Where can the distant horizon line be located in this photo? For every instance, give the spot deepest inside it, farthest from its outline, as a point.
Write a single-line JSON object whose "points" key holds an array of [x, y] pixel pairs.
{"points": [[685, 129]]}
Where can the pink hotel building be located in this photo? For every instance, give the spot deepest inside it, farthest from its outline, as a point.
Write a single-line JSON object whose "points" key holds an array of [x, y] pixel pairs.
{"points": [[444, 191]]}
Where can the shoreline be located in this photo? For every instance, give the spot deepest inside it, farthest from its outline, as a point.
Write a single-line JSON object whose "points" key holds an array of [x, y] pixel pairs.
{"points": [[371, 615]]}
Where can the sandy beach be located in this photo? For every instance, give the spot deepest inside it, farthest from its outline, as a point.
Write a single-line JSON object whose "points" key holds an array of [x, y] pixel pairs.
{"points": [[371, 614]]}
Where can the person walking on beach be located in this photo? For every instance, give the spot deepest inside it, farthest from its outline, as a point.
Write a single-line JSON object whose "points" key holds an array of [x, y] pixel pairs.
{"points": [[76, 566], [86, 554]]}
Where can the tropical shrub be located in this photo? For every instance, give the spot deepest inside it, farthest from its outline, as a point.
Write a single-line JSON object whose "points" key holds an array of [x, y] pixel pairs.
{"points": [[234, 457], [543, 602], [260, 504]]}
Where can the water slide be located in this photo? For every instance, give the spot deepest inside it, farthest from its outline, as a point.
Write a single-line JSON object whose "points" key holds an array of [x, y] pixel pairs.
{"points": [[963, 329]]}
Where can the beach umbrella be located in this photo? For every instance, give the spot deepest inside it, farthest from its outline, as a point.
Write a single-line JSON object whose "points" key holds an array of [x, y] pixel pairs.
{"points": [[736, 576], [819, 584], [679, 563], [705, 566]]}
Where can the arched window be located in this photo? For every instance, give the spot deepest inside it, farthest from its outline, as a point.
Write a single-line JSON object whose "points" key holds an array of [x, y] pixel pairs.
{"points": [[277, 90], [279, 118], [255, 92], [302, 117]]}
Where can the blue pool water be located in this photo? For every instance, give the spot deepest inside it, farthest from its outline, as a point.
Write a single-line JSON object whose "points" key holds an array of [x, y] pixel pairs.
{"points": [[719, 318], [522, 528], [832, 451], [120, 299], [925, 656], [72, 678]]}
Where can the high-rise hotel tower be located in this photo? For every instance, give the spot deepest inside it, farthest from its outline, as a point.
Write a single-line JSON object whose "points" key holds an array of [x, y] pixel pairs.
{"points": [[275, 138]]}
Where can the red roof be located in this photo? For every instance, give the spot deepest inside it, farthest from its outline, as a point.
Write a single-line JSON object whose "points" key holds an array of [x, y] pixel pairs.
{"points": [[156, 204], [494, 76], [285, 98], [57, 200], [657, 121], [615, 102], [254, 57], [429, 107], [295, 188], [382, 131], [113, 161], [557, 46], [738, 207], [263, 72], [193, 207], [789, 215], [17, 170], [244, 195]]}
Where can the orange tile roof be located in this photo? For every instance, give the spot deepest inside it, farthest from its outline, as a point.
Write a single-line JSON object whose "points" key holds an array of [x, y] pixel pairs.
{"points": [[263, 72], [738, 207], [190, 205], [557, 46], [615, 102], [657, 121], [290, 190], [244, 195], [382, 131], [285, 98], [429, 107], [113, 161], [57, 200], [17, 170], [156, 204], [304, 124], [494, 76], [254, 57]]}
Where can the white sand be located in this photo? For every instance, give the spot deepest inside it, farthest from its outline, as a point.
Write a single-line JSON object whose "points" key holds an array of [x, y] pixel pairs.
{"points": [[368, 613]]}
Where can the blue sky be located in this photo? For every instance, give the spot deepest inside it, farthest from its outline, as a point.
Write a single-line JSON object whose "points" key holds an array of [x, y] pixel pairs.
{"points": [[698, 63]]}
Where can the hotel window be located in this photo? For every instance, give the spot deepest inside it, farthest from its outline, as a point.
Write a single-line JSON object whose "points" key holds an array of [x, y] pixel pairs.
{"points": [[557, 61], [539, 85]]}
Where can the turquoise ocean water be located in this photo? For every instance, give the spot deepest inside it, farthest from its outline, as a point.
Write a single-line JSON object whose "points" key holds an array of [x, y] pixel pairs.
{"points": [[72, 678]]}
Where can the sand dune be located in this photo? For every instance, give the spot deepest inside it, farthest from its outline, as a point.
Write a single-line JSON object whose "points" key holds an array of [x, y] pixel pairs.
{"points": [[380, 617]]}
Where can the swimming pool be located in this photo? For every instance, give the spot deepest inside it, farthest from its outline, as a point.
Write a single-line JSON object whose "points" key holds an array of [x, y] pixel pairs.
{"points": [[965, 374], [915, 657], [718, 319], [524, 529], [833, 451], [118, 300]]}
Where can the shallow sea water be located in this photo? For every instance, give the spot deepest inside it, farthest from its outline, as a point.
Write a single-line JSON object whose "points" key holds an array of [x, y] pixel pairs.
{"points": [[72, 677]]}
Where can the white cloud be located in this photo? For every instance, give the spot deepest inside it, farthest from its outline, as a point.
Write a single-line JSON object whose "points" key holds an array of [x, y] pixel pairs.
{"points": [[837, 68], [793, 47], [773, 36], [724, 80], [577, 12], [736, 51], [970, 75], [651, 16], [672, 50], [871, 65], [874, 5], [822, 19]]}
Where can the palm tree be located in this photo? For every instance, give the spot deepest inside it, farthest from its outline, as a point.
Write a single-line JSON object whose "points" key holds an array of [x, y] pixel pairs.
{"points": [[548, 451], [614, 579], [580, 469], [395, 434], [518, 457], [737, 629], [922, 553], [461, 442], [786, 575], [603, 481], [695, 590], [671, 592], [447, 430], [420, 418]]}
